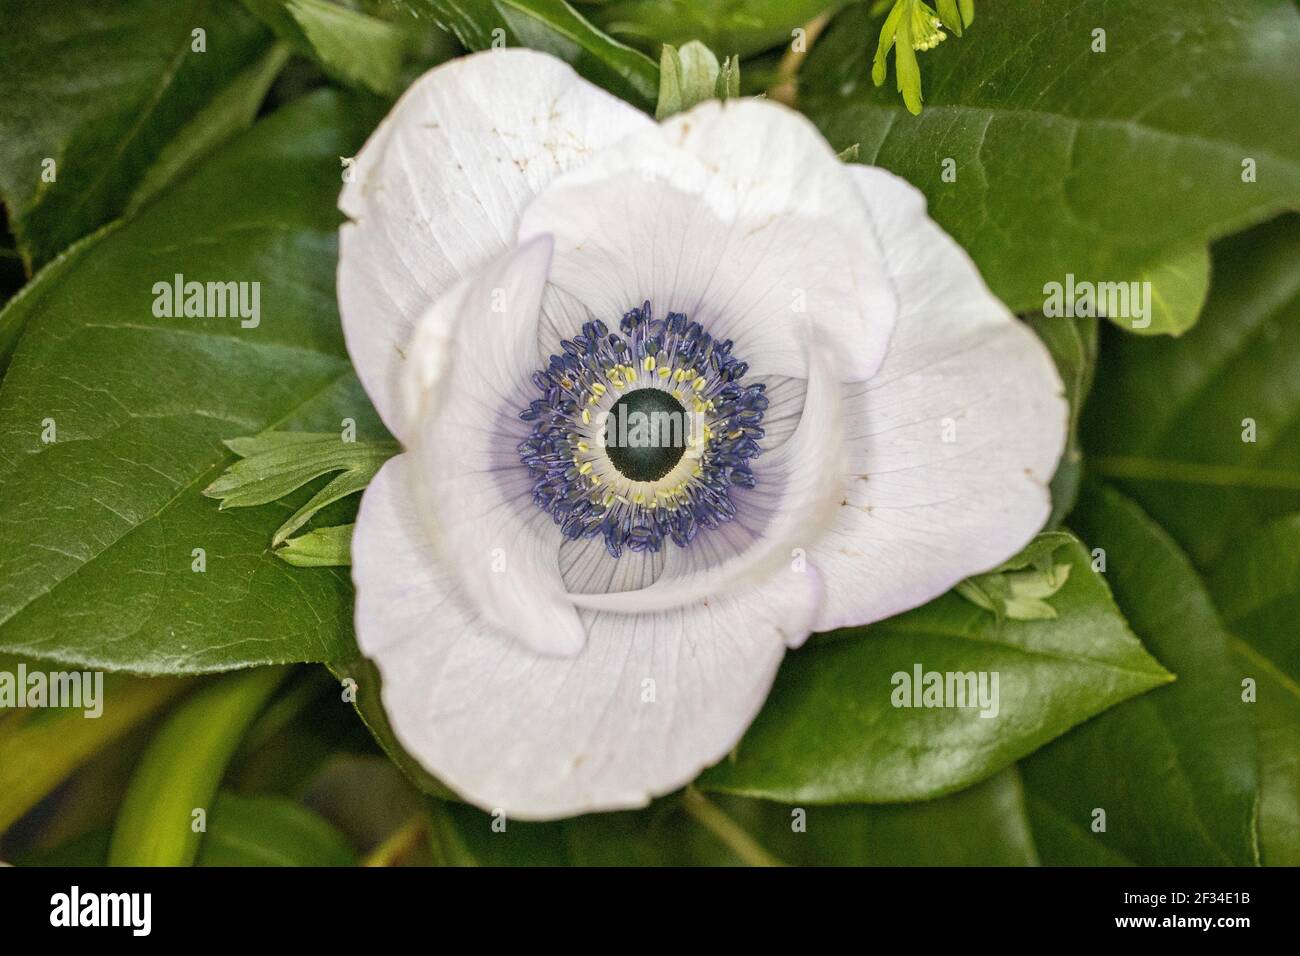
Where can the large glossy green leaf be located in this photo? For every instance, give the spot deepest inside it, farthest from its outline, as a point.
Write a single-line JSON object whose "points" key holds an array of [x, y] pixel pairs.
{"points": [[99, 528], [1114, 167], [555, 27], [830, 732], [983, 825], [727, 27], [1168, 418], [107, 90], [1257, 588], [267, 830], [1174, 770]]}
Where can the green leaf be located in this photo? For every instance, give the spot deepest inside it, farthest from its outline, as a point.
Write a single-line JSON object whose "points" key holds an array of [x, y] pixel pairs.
{"points": [[1112, 167], [949, 14], [1168, 418], [1173, 770], [41, 749], [1257, 589], [742, 27], [1073, 346], [1179, 285], [691, 75], [230, 112], [984, 824], [888, 37], [139, 94], [1037, 553], [275, 464], [18, 310], [907, 67], [830, 732], [686, 77], [182, 768], [270, 831], [99, 528], [321, 548], [352, 47], [554, 27], [1018, 588]]}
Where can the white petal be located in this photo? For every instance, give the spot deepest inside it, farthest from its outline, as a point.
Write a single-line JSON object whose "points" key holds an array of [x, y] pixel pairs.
{"points": [[466, 380], [739, 215], [649, 702], [586, 567], [920, 513], [439, 186]]}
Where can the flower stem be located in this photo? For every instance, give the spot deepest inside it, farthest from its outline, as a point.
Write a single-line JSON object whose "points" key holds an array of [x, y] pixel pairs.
{"points": [[726, 829], [399, 844], [785, 88]]}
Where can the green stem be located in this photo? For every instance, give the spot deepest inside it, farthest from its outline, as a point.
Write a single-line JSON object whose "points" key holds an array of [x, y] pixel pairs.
{"points": [[726, 829], [400, 844]]}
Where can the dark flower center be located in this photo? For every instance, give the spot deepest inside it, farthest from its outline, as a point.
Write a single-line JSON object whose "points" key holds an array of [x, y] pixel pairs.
{"points": [[645, 434]]}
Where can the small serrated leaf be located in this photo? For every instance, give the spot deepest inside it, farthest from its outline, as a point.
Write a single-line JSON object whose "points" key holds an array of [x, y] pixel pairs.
{"points": [[275, 464]]}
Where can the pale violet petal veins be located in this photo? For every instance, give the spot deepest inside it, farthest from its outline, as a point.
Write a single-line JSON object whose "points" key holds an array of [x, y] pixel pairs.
{"points": [[468, 364], [438, 188], [738, 215], [951, 444], [648, 702]]}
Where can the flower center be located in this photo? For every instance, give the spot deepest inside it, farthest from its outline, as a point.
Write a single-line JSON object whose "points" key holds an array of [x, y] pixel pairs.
{"points": [[645, 434], [641, 436]]}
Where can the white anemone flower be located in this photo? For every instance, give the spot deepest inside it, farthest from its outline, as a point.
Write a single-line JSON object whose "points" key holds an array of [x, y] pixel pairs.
{"points": [[565, 620]]}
